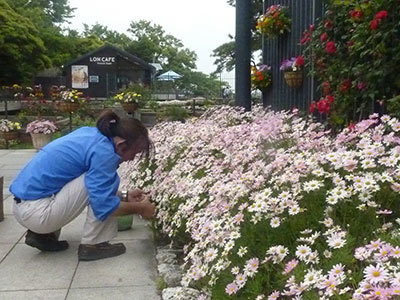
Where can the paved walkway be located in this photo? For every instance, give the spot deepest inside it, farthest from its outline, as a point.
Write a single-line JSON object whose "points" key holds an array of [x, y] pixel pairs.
{"points": [[27, 273]]}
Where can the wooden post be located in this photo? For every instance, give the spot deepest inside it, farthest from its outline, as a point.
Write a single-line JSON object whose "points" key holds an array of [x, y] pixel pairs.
{"points": [[1, 199]]}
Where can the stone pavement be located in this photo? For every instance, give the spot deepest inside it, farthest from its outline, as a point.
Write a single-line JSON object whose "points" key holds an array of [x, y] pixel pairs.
{"points": [[27, 273]]}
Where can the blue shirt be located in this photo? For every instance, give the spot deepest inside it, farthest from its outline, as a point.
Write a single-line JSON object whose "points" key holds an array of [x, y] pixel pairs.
{"points": [[85, 150]]}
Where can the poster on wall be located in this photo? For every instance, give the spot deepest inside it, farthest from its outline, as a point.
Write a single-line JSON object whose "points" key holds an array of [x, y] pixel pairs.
{"points": [[80, 78]]}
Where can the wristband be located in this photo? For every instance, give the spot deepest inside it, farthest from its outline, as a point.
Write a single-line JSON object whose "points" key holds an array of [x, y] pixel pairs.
{"points": [[124, 196]]}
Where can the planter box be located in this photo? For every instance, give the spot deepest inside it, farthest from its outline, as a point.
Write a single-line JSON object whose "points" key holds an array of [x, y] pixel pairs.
{"points": [[148, 118]]}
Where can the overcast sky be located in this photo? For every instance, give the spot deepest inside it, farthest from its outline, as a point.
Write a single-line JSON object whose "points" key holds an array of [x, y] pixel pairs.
{"points": [[201, 25]]}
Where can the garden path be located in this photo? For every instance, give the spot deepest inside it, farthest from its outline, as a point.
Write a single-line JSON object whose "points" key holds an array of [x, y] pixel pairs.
{"points": [[27, 273]]}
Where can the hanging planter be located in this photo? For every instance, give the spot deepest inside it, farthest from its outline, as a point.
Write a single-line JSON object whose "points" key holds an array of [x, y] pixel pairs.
{"points": [[294, 79], [130, 108], [274, 22], [293, 71], [261, 77]]}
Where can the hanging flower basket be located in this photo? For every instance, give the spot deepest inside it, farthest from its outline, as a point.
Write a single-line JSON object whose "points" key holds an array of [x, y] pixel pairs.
{"points": [[294, 79], [261, 77], [274, 22], [68, 107], [130, 108], [10, 135]]}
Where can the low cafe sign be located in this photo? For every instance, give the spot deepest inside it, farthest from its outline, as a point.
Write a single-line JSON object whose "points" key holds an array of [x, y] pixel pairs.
{"points": [[102, 60]]}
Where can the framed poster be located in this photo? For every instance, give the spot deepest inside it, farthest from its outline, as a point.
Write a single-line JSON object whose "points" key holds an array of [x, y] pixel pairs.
{"points": [[80, 78]]}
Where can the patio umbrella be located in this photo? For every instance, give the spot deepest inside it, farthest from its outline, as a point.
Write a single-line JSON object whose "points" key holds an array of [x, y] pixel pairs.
{"points": [[168, 76]]}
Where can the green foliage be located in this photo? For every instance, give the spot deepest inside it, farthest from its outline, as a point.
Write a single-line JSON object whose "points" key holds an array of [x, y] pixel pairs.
{"points": [[225, 53], [151, 43], [174, 113], [22, 52], [356, 57]]}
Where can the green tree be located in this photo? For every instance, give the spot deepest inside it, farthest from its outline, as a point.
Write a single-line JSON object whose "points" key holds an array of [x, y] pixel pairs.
{"points": [[225, 53], [200, 84], [22, 52], [105, 34], [152, 43], [56, 11]]}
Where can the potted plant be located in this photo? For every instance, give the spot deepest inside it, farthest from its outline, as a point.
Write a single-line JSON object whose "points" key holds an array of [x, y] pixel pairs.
{"points": [[129, 100], [261, 77], [9, 129], [70, 100], [293, 71], [41, 132], [274, 22]]}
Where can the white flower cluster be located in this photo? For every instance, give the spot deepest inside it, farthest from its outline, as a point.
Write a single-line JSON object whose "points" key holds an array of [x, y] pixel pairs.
{"points": [[269, 191]]}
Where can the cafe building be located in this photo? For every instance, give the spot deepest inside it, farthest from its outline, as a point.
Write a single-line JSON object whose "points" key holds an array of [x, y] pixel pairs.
{"points": [[104, 71]]}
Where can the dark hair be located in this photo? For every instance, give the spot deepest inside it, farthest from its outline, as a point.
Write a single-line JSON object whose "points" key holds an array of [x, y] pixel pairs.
{"points": [[130, 129]]}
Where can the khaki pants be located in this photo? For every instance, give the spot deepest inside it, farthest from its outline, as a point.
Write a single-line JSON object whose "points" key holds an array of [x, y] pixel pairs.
{"points": [[51, 214]]}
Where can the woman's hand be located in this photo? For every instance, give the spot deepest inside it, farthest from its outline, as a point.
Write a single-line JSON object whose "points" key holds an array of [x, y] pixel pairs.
{"points": [[147, 209], [137, 195]]}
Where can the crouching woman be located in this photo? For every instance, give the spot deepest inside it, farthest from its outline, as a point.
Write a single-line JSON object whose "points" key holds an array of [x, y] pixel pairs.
{"points": [[76, 171]]}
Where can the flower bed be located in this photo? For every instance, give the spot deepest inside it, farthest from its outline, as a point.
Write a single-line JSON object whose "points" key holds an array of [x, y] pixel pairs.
{"points": [[269, 205]]}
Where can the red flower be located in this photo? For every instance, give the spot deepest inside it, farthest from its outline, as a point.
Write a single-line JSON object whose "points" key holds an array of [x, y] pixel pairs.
{"points": [[328, 24], [312, 27], [381, 15], [306, 38], [351, 126], [374, 24], [346, 84], [299, 61], [312, 107], [330, 99], [323, 106], [361, 85], [323, 37], [330, 47], [356, 14]]}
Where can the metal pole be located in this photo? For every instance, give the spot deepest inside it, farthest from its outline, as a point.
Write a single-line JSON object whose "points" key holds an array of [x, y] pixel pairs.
{"points": [[243, 53], [264, 56]]}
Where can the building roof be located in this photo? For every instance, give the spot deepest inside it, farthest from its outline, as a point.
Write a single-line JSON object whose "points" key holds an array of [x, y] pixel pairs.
{"points": [[126, 55]]}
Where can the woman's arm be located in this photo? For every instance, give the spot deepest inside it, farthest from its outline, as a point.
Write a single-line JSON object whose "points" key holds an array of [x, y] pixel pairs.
{"points": [[144, 208]]}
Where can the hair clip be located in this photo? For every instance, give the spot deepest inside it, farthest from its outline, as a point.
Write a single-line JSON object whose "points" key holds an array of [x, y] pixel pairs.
{"points": [[113, 121]]}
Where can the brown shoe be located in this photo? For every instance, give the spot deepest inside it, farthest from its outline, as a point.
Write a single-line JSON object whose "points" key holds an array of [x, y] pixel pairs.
{"points": [[45, 242], [99, 251]]}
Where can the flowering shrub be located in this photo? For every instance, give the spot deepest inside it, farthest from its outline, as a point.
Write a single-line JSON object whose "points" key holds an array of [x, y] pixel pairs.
{"points": [[128, 97], [293, 64], [71, 96], [274, 22], [41, 126], [7, 125], [55, 91], [355, 52], [270, 205], [261, 77]]}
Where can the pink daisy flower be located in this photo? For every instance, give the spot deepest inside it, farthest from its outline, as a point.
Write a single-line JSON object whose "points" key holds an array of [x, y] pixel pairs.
{"points": [[231, 288], [290, 266], [375, 274]]}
